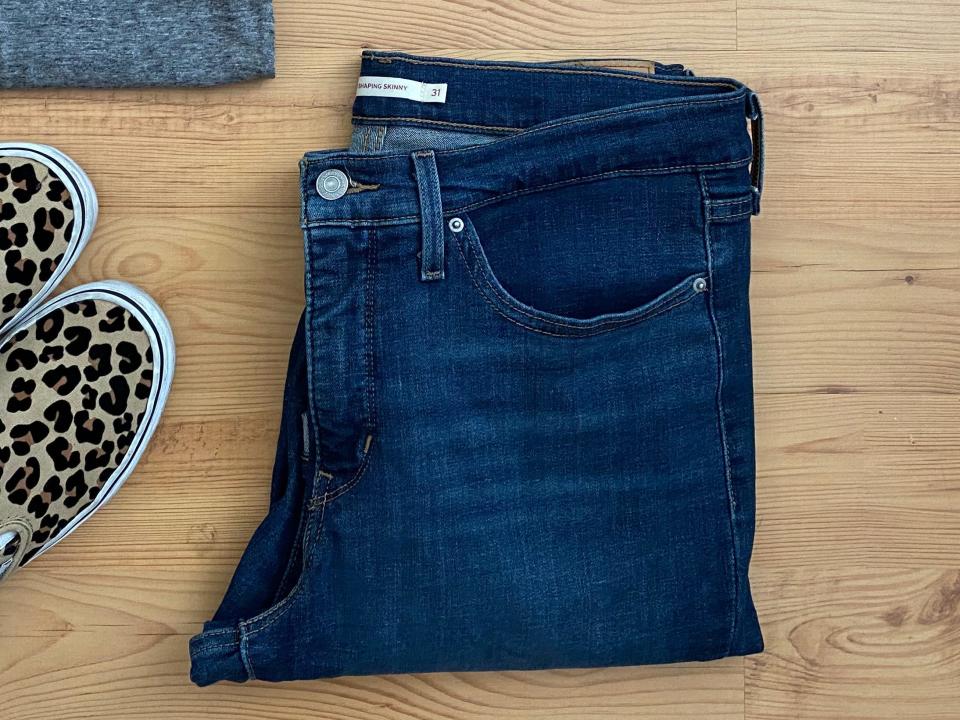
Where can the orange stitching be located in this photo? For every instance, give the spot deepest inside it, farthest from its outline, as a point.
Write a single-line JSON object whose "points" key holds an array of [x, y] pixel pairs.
{"points": [[587, 178], [483, 296], [641, 171], [516, 305]]}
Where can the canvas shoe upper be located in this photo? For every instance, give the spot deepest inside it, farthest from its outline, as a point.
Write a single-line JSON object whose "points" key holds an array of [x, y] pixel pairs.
{"points": [[85, 378], [48, 209]]}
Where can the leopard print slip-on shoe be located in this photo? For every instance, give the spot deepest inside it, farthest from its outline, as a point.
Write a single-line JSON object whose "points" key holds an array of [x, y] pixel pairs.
{"points": [[47, 212], [85, 379]]}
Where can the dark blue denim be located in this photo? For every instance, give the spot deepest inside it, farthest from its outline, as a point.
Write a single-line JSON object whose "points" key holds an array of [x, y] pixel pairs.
{"points": [[518, 422]]}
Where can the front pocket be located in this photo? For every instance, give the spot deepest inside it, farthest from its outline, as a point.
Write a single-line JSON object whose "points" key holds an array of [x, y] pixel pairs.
{"points": [[496, 295], [587, 255]]}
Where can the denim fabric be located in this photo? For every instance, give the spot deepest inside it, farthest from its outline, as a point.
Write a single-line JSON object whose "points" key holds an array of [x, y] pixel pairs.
{"points": [[518, 422]]}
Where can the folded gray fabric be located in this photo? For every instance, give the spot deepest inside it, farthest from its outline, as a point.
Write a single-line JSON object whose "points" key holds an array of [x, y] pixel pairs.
{"points": [[112, 43]]}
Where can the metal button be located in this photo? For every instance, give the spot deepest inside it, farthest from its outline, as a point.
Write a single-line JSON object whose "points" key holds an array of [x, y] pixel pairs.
{"points": [[332, 184], [456, 224], [699, 285]]}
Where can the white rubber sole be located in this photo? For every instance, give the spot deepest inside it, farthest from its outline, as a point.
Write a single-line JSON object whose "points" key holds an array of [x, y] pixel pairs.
{"points": [[85, 209], [157, 327], [6, 537]]}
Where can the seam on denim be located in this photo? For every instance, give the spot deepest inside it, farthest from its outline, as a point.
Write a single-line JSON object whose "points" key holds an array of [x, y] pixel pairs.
{"points": [[353, 222], [438, 199], [547, 69], [369, 321], [577, 119], [303, 164], [513, 304], [716, 203], [383, 120], [721, 424], [301, 518], [735, 216], [207, 649], [431, 185], [291, 560], [344, 157], [596, 176], [270, 616], [728, 214], [621, 64], [321, 502], [719, 210], [370, 398], [501, 313], [612, 323], [257, 624], [311, 539], [350, 484], [736, 98], [245, 655], [221, 631], [309, 343], [722, 209]]}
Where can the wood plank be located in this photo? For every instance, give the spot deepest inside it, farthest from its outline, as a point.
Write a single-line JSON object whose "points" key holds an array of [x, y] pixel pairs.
{"points": [[848, 331], [905, 247], [857, 480], [473, 24], [116, 672], [859, 644], [879, 25], [857, 364], [825, 119]]}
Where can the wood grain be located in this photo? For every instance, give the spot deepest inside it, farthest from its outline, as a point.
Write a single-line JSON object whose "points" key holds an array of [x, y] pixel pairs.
{"points": [[852, 643], [878, 25], [856, 317], [471, 24], [849, 134], [133, 676]]}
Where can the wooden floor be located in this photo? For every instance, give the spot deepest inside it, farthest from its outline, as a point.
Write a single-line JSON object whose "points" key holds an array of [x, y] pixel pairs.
{"points": [[856, 301]]}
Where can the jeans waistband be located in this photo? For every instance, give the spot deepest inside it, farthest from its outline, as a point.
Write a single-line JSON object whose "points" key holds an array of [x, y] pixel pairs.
{"points": [[542, 124]]}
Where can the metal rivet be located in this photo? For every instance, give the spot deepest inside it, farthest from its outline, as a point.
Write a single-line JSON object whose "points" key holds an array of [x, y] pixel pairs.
{"points": [[456, 224], [332, 184], [699, 285]]}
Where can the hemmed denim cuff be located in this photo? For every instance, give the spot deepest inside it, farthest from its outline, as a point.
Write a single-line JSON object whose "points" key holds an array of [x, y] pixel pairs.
{"points": [[215, 655]]}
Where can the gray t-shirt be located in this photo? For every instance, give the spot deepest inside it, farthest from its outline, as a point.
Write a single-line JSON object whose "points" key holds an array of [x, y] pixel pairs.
{"points": [[113, 43]]}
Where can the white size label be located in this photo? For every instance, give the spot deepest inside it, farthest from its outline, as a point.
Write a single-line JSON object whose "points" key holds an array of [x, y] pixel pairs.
{"points": [[376, 86]]}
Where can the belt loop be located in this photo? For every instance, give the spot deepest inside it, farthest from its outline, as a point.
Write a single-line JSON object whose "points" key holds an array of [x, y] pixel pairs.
{"points": [[431, 215], [756, 132]]}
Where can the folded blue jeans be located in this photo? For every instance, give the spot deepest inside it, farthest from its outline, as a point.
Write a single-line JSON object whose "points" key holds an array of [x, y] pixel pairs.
{"points": [[518, 422]]}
